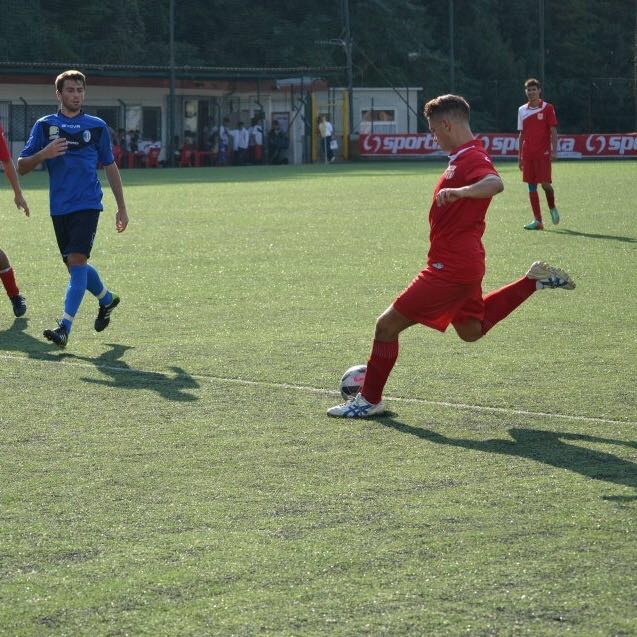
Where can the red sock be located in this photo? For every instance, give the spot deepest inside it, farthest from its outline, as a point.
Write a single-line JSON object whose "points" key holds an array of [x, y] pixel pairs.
{"points": [[500, 303], [379, 366], [550, 198], [535, 205], [8, 280]]}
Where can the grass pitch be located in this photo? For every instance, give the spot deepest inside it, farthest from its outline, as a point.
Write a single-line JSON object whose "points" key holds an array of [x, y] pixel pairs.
{"points": [[176, 474]]}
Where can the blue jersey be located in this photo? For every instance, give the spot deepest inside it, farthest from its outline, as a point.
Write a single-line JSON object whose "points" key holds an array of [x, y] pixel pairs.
{"points": [[73, 182]]}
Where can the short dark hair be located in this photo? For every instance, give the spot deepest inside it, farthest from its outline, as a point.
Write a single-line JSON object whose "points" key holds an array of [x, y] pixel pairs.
{"points": [[532, 82], [72, 74], [447, 105]]}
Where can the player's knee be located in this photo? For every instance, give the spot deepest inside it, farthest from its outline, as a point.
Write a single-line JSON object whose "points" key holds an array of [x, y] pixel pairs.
{"points": [[470, 331], [532, 187], [76, 258], [385, 330]]}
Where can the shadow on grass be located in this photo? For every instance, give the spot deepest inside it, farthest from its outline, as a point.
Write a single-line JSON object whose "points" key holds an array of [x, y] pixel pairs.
{"points": [[122, 375], [547, 447], [16, 339], [589, 235]]}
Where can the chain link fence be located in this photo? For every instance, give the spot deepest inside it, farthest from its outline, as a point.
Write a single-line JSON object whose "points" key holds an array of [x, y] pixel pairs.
{"points": [[597, 104]]}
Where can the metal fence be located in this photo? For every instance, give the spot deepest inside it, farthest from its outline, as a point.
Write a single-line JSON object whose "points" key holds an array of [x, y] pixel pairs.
{"points": [[596, 104]]}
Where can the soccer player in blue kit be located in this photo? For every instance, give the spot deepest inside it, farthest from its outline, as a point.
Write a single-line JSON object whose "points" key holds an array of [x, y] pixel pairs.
{"points": [[72, 143]]}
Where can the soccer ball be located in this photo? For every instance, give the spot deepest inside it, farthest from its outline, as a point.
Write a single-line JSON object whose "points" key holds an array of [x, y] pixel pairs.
{"points": [[352, 381]]}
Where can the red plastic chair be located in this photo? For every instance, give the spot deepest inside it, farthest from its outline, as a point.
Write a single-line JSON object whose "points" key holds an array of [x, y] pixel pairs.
{"points": [[152, 159], [186, 157], [118, 154]]}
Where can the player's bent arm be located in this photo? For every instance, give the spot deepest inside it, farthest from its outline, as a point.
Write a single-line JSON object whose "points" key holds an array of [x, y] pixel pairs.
{"points": [[487, 187], [27, 164], [56, 148]]}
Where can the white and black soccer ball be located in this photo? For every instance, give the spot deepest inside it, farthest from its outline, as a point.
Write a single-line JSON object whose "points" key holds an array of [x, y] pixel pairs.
{"points": [[352, 381]]}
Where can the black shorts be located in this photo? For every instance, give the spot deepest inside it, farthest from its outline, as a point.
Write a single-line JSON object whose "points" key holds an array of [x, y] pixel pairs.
{"points": [[75, 232]]}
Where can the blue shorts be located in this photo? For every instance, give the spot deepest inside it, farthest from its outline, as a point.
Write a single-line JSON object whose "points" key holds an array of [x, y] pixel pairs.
{"points": [[75, 232]]}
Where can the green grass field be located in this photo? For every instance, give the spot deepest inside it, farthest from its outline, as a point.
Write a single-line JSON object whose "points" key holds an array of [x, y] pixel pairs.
{"points": [[176, 474]]}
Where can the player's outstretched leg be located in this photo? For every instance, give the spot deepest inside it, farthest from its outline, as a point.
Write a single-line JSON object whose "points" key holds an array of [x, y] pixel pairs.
{"points": [[357, 408], [548, 276], [500, 303]]}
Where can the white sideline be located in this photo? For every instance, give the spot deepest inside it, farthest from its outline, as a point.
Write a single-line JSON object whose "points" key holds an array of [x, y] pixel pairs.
{"points": [[318, 390]]}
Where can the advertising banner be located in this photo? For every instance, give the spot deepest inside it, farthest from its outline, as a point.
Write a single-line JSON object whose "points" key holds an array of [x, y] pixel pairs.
{"points": [[593, 146]]}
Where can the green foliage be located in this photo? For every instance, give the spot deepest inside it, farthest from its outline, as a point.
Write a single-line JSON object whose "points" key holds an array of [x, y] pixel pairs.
{"points": [[495, 39]]}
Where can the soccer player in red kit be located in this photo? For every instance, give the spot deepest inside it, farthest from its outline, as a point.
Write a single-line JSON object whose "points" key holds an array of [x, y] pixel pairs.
{"points": [[7, 275], [449, 289], [537, 145]]}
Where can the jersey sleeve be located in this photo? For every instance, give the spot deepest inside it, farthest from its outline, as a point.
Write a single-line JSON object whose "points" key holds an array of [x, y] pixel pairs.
{"points": [[479, 169], [35, 143], [520, 124], [5, 155], [551, 117], [104, 148]]}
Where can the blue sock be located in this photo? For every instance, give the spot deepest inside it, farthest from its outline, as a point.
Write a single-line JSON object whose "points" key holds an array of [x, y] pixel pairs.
{"points": [[74, 294], [95, 286]]}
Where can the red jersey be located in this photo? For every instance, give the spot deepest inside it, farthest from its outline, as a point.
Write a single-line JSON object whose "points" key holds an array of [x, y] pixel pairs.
{"points": [[536, 123], [5, 155], [456, 250]]}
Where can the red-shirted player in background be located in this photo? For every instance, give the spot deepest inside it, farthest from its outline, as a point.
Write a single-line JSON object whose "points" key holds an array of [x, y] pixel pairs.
{"points": [[537, 124], [6, 271], [449, 289]]}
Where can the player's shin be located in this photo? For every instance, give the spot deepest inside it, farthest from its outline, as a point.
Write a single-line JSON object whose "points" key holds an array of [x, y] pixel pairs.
{"points": [[74, 293], [379, 366], [500, 303], [95, 286]]}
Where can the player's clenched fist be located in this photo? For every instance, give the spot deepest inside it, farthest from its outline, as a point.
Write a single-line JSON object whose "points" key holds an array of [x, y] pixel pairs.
{"points": [[448, 195]]}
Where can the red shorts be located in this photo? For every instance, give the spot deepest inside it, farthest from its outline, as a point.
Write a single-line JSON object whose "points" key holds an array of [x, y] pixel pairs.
{"points": [[536, 171], [436, 302]]}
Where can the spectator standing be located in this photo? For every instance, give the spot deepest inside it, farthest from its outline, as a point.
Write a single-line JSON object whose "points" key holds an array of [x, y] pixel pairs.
{"points": [[234, 144], [255, 150], [326, 130], [277, 144], [243, 143], [224, 140]]}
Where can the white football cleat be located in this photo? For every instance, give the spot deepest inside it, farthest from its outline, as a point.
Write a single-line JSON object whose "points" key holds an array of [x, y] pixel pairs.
{"points": [[356, 408], [549, 277]]}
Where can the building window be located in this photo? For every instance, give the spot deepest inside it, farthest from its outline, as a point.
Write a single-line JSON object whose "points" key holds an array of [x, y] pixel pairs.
{"points": [[378, 120], [151, 123], [109, 114]]}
